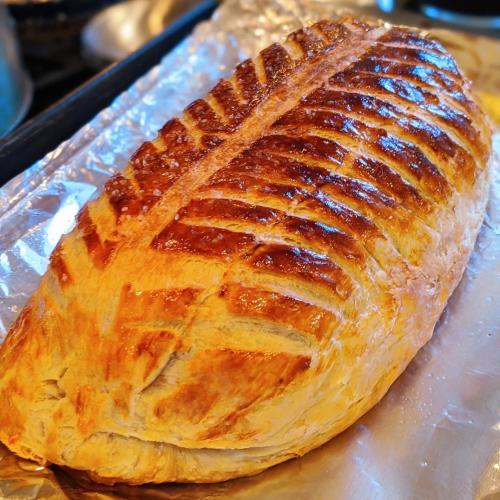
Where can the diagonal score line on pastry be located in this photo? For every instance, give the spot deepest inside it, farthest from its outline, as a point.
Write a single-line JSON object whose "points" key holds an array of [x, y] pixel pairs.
{"points": [[281, 99], [260, 273]]}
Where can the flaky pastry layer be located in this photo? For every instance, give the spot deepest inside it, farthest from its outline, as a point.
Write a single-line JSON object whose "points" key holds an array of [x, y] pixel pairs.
{"points": [[262, 271]]}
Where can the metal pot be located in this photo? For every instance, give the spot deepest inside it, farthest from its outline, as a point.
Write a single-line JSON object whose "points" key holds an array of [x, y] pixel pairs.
{"points": [[16, 89], [119, 30]]}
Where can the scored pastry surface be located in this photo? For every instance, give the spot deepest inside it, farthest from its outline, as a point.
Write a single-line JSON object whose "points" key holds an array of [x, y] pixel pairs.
{"points": [[261, 272]]}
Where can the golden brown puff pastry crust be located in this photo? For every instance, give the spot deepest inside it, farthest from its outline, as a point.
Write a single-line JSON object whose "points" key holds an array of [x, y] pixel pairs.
{"points": [[262, 271]]}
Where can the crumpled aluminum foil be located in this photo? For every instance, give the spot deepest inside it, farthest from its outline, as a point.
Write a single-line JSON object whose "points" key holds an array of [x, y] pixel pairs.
{"points": [[436, 435]]}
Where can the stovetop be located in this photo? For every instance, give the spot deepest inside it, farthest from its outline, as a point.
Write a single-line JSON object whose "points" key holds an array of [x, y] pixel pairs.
{"points": [[49, 38]]}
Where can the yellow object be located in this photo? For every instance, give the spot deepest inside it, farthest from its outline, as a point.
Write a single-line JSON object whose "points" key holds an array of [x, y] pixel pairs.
{"points": [[491, 103]]}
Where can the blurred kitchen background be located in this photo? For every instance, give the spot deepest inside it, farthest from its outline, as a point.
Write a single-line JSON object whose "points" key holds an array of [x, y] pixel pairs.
{"points": [[50, 47]]}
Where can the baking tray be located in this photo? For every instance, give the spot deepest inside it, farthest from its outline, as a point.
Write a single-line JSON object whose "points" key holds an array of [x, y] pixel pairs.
{"points": [[33, 140]]}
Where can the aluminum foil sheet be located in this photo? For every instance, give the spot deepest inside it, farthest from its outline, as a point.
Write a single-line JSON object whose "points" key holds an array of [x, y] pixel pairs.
{"points": [[436, 435]]}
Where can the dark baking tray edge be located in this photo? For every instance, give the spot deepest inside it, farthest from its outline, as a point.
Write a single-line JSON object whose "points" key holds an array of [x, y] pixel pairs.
{"points": [[37, 137]]}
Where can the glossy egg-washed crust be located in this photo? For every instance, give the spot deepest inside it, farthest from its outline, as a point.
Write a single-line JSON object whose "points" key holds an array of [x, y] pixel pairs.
{"points": [[262, 271]]}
